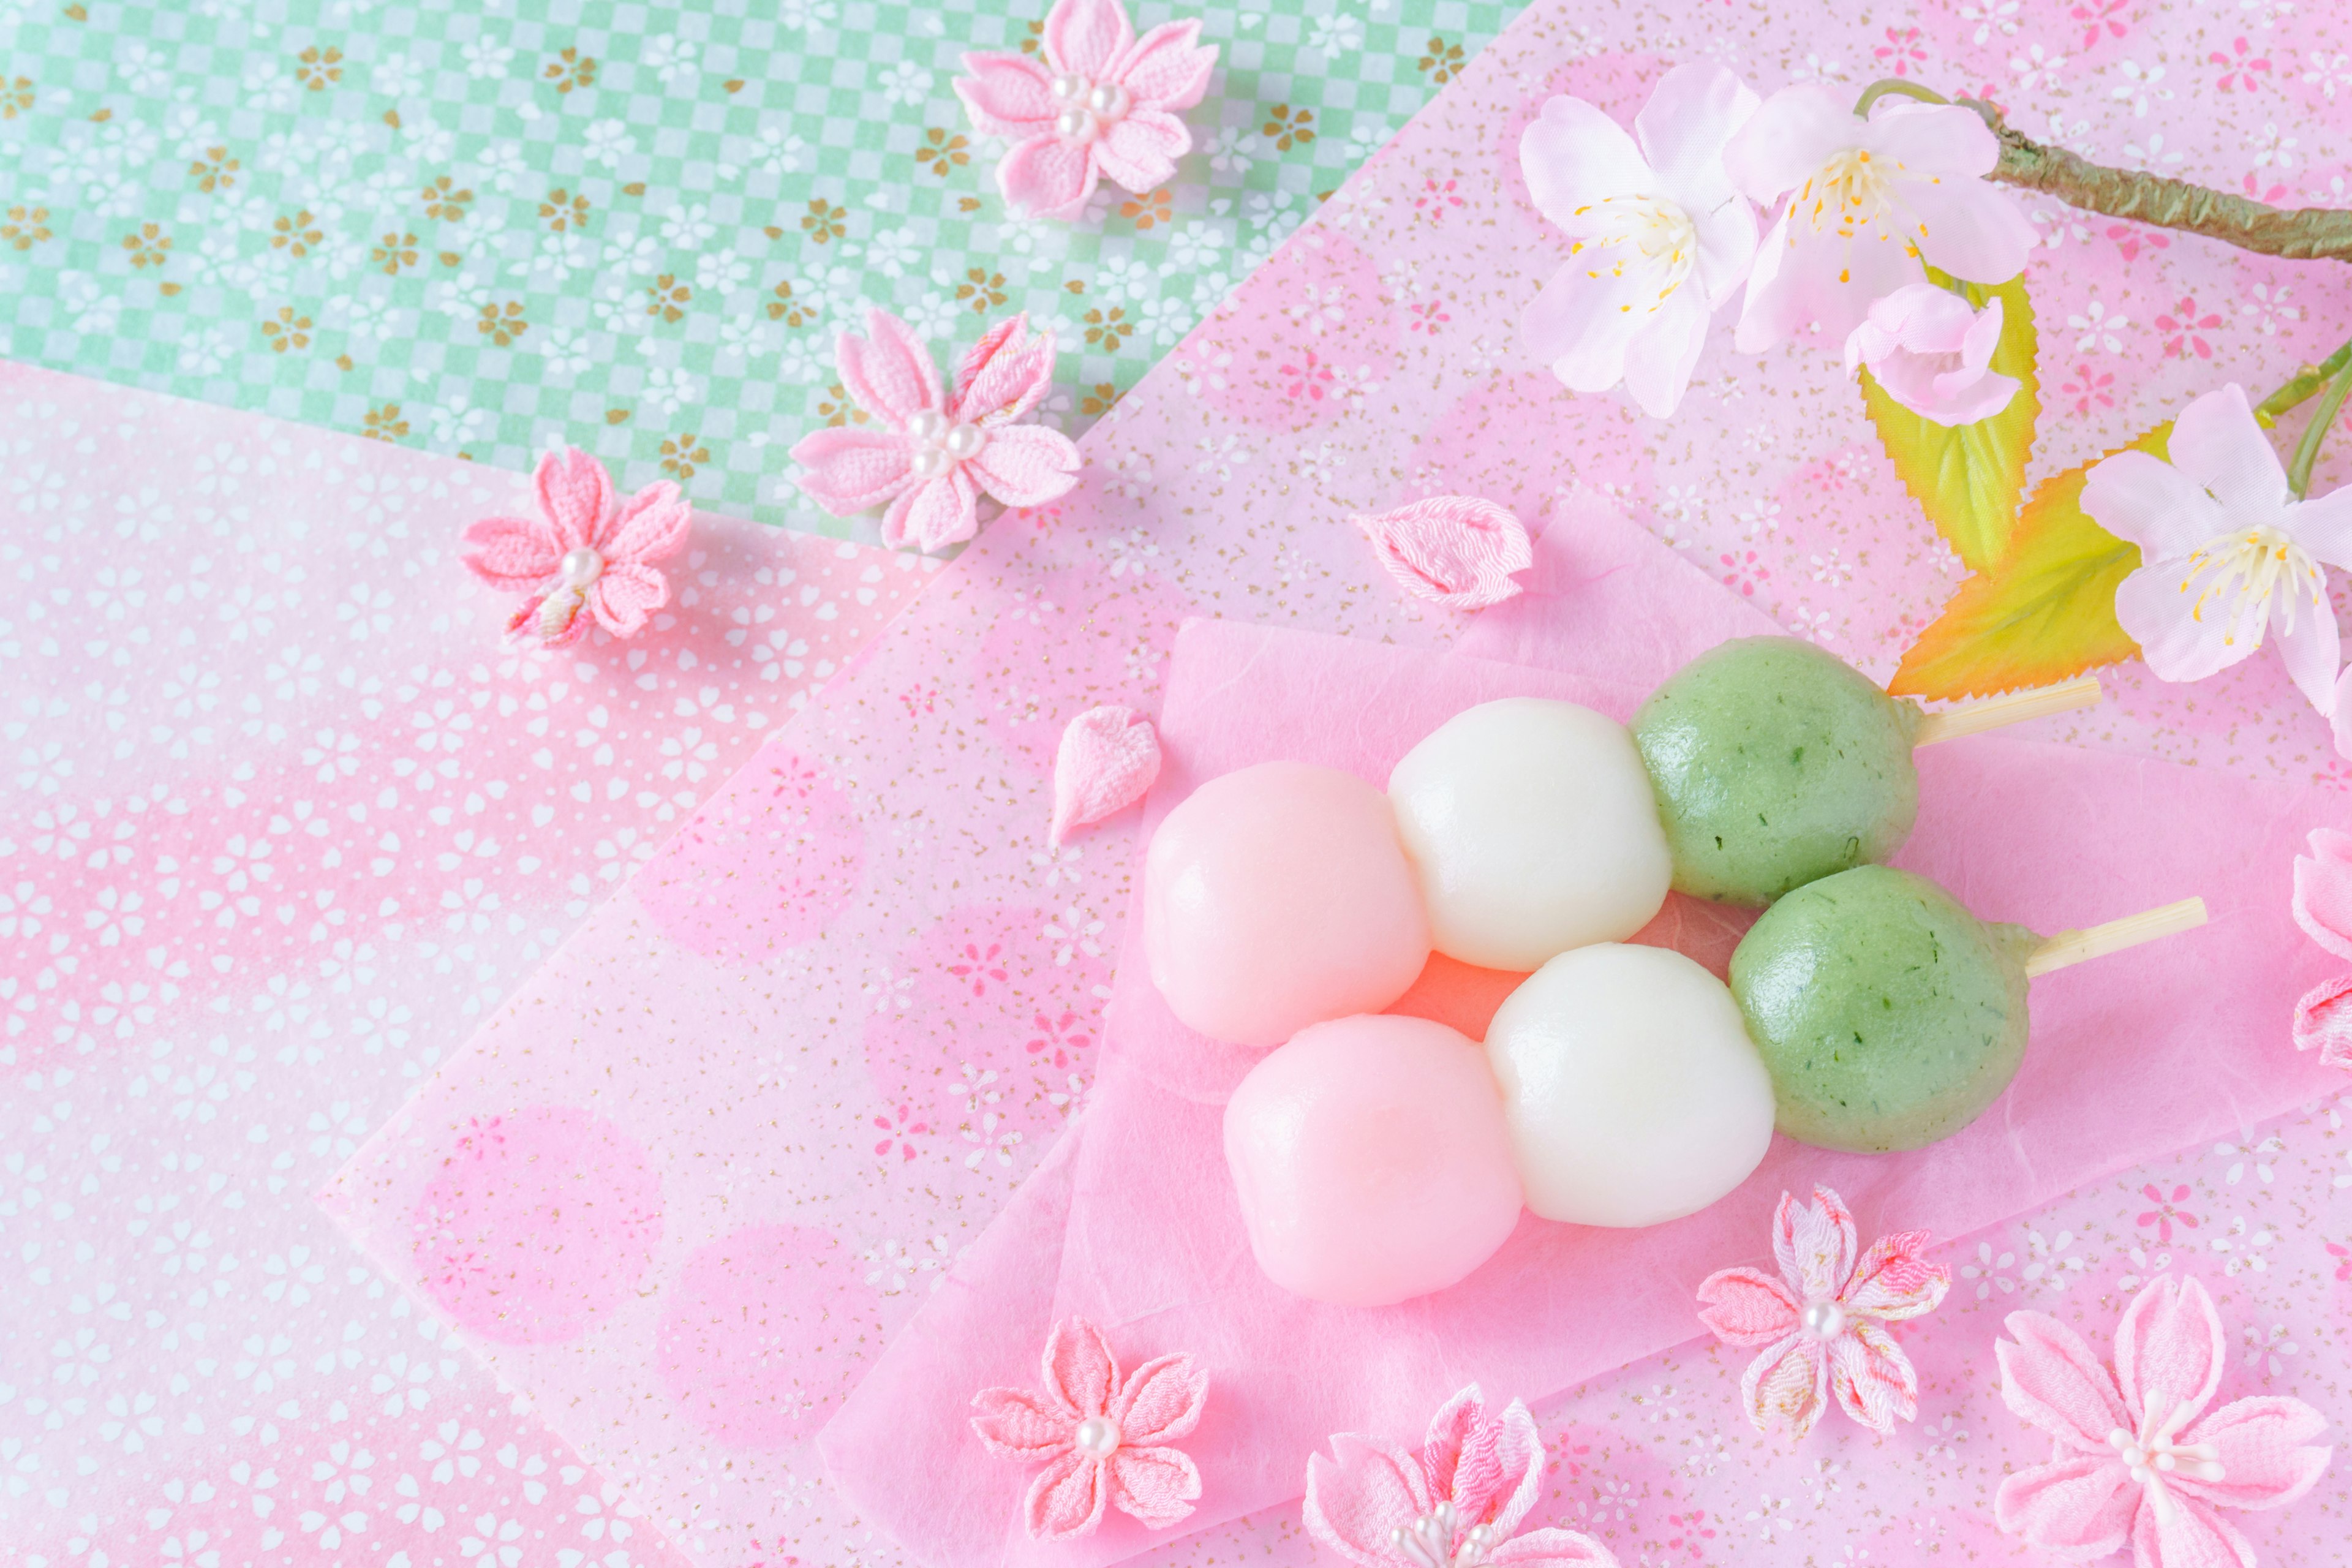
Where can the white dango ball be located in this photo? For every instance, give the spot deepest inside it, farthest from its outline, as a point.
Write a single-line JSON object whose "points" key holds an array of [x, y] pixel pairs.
{"points": [[1534, 829], [1631, 1090]]}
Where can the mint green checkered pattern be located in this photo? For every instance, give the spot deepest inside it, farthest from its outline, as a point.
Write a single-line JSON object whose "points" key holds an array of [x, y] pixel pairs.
{"points": [[241, 201]]}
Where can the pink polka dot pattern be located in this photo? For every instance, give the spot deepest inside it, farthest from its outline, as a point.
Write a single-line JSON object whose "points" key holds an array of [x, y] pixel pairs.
{"points": [[762, 868], [765, 1332], [537, 1224]]}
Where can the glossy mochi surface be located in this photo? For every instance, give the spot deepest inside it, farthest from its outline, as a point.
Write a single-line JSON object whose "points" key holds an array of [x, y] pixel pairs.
{"points": [[1631, 1090], [1372, 1162], [1534, 829], [1277, 896], [1888, 1016], [1776, 765]]}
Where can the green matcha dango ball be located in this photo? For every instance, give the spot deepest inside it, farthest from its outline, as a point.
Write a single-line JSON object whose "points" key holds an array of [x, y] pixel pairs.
{"points": [[1776, 765], [1888, 1016]]}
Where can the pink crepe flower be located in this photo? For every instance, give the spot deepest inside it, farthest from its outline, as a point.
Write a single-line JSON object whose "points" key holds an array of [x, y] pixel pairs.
{"points": [[1460, 552], [1932, 352], [1106, 762], [1453, 1505], [1101, 102], [1103, 1439], [582, 553], [1821, 1325], [2130, 1460], [930, 458], [2323, 907]]}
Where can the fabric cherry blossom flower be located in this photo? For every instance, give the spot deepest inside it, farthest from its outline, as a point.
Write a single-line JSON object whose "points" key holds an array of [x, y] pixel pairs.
{"points": [[1932, 352], [581, 552], [1453, 1505], [2228, 553], [1821, 1325], [2131, 1461], [2323, 907], [929, 457], [1107, 761], [1455, 551], [1103, 1439], [1860, 203], [1103, 101], [1662, 236]]}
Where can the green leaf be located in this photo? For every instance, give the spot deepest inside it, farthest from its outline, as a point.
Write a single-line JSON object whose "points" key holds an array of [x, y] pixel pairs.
{"points": [[2045, 612], [1970, 478]]}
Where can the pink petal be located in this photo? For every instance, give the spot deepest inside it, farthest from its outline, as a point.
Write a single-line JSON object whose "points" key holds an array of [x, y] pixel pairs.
{"points": [[849, 469], [1969, 228], [1023, 465], [2080, 1505], [1815, 1245], [2188, 1535], [1157, 1485], [1455, 551], [1140, 150], [1894, 1281], [1450, 1430], [1079, 1373], [889, 372], [1162, 1399], [1166, 69], [2050, 1378], [1872, 1378], [2142, 499], [1004, 374], [512, 555], [1088, 36], [933, 514], [1747, 1307], [2169, 1348], [1791, 133], [1552, 1548], [523, 625], [1786, 1389], [1007, 95], [1107, 759], [626, 595], [1066, 1499], [1360, 1494], [1500, 1472], [650, 525], [2323, 890], [575, 492], [1046, 177], [2218, 444], [2267, 1458], [2323, 1018], [1014, 1425]]}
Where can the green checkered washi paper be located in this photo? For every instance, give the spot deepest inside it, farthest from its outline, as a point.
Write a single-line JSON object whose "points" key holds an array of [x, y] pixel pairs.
{"points": [[485, 228]]}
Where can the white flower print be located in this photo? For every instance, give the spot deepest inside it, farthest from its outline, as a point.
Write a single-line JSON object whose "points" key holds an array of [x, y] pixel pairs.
{"points": [[668, 390], [670, 57], [2255, 1156], [688, 228], [2098, 329], [1990, 1271], [893, 251], [458, 420], [1990, 16], [486, 58], [397, 74], [2036, 71], [1233, 150], [904, 82], [1336, 33], [608, 141]]}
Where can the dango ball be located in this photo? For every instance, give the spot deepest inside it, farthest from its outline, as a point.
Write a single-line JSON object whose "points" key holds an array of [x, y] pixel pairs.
{"points": [[1276, 897], [1631, 1090], [1534, 829], [1372, 1162]]}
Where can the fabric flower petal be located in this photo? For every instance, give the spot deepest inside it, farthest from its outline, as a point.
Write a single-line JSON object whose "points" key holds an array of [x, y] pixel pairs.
{"points": [[2051, 1379], [1046, 177], [1139, 150], [2170, 1347], [1747, 1307], [2324, 1019], [1004, 373], [574, 494], [1786, 1388], [1066, 1499], [512, 555], [1872, 1378], [2218, 443], [889, 372], [1360, 1494], [848, 469], [1015, 1425], [1160, 1399], [934, 514], [2267, 1456], [1088, 36], [1156, 1486], [2078, 1505], [1815, 1245], [2188, 1535], [1079, 1374], [649, 526], [1460, 552], [1107, 761], [1007, 95], [626, 595], [1552, 1547], [1894, 1281], [1167, 68], [1023, 464], [1489, 1467]]}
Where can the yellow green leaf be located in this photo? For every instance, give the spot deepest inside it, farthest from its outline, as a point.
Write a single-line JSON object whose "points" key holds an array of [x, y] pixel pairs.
{"points": [[2047, 611], [1970, 478]]}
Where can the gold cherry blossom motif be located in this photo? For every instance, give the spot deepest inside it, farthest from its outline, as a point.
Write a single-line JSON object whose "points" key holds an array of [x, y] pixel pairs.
{"points": [[316, 67]]}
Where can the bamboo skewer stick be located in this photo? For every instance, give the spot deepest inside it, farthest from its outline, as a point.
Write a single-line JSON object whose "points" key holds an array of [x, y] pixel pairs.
{"points": [[2015, 708], [2075, 946]]}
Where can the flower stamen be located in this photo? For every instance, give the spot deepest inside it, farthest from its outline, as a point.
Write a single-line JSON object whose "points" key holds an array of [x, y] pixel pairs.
{"points": [[2154, 1457], [1429, 1541]]}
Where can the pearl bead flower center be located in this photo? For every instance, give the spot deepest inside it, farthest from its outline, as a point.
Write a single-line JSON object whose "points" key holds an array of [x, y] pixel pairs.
{"points": [[581, 567], [1822, 1320], [940, 443], [2155, 1455], [1089, 107], [1428, 1542], [1097, 1437]]}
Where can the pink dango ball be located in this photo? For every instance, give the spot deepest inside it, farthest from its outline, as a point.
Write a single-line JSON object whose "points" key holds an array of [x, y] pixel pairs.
{"points": [[1278, 896], [1372, 1161]]}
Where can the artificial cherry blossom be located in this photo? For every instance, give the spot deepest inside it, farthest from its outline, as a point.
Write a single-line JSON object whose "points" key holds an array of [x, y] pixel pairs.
{"points": [[1106, 762], [583, 556], [2323, 907], [1662, 236], [1932, 352], [1860, 203], [2132, 1461], [1822, 1324], [2228, 552], [1453, 1505], [927, 458], [1460, 552], [1104, 1439], [1103, 101]]}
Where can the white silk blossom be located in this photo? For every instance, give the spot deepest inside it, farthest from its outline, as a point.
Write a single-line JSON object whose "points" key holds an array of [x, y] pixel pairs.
{"points": [[1661, 236]]}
